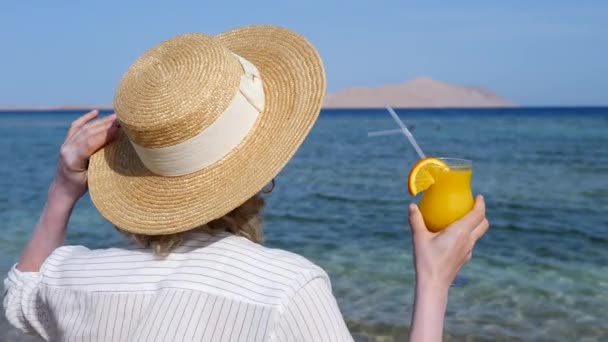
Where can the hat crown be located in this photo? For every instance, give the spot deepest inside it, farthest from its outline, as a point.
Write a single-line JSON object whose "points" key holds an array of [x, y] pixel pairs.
{"points": [[176, 89]]}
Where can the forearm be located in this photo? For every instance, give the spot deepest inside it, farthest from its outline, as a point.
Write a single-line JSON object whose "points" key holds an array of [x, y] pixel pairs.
{"points": [[428, 315], [50, 231]]}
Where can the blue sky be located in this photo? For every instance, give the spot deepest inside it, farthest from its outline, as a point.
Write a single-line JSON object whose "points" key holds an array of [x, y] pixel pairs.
{"points": [[531, 52]]}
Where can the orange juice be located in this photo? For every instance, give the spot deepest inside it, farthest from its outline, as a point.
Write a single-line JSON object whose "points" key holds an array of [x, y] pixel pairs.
{"points": [[450, 197]]}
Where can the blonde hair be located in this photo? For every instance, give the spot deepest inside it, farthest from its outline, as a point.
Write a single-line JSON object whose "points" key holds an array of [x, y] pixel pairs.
{"points": [[245, 220]]}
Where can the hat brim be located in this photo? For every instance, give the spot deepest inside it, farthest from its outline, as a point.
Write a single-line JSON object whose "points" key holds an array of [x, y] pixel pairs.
{"points": [[138, 201]]}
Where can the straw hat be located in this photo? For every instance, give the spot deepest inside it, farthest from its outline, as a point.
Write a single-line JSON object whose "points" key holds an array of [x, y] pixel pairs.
{"points": [[206, 123]]}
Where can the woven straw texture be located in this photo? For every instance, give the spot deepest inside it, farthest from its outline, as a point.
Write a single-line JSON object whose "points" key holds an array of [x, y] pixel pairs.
{"points": [[177, 89]]}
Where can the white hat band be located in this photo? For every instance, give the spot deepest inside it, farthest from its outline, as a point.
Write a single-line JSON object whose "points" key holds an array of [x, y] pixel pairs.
{"points": [[218, 139]]}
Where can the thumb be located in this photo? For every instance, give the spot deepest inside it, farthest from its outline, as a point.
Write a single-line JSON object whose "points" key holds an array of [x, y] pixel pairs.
{"points": [[416, 221]]}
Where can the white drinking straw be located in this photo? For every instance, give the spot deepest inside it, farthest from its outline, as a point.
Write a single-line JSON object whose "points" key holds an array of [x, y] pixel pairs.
{"points": [[406, 132], [386, 132]]}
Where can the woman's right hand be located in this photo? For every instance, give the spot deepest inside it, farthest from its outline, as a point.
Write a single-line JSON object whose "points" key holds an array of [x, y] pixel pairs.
{"points": [[438, 257]]}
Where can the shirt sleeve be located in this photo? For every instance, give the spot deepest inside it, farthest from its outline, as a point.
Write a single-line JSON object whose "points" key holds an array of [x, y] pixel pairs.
{"points": [[312, 314], [23, 304]]}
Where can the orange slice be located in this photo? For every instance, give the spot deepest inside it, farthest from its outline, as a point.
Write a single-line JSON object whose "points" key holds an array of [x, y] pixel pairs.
{"points": [[424, 174]]}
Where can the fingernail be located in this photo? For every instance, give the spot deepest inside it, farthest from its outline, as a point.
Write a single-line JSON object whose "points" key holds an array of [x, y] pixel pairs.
{"points": [[413, 208]]}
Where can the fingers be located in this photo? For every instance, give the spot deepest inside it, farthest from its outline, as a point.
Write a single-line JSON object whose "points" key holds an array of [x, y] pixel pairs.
{"points": [[92, 127], [98, 136], [81, 121], [475, 216], [417, 222], [110, 119], [91, 138], [480, 230], [88, 126], [475, 235]]}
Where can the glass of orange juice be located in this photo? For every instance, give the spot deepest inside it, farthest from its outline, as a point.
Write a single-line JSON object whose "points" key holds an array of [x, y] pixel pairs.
{"points": [[450, 197]]}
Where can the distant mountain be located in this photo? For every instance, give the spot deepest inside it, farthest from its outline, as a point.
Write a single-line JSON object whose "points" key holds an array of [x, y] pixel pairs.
{"points": [[418, 93]]}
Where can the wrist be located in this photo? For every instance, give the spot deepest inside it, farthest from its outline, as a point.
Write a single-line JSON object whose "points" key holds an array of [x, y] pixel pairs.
{"points": [[430, 287], [59, 198]]}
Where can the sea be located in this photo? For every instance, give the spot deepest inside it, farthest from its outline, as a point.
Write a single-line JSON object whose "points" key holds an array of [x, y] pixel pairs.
{"points": [[539, 274]]}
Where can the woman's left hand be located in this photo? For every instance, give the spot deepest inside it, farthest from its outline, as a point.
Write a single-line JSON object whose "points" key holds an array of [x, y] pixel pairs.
{"points": [[85, 137]]}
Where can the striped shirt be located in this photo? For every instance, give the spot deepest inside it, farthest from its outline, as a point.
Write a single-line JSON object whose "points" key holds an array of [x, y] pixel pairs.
{"points": [[211, 288]]}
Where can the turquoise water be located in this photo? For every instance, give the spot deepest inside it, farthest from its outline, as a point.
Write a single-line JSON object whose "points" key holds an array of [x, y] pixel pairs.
{"points": [[541, 272]]}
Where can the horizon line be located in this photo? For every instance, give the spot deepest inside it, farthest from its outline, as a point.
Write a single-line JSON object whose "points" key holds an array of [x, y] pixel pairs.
{"points": [[109, 109]]}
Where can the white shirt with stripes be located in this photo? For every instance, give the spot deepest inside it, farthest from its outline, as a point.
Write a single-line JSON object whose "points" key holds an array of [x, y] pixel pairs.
{"points": [[211, 288]]}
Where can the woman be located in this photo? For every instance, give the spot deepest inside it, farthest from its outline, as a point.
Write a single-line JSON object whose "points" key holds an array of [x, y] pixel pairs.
{"points": [[202, 125]]}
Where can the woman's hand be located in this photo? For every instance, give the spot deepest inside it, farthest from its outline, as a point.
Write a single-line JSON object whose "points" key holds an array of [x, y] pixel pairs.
{"points": [[85, 137], [438, 257]]}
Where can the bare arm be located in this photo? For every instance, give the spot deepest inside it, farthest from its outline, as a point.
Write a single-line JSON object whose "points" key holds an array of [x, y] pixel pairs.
{"points": [[438, 257], [84, 138], [430, 303]]}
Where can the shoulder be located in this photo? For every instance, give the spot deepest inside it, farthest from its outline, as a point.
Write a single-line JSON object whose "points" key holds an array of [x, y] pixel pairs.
{"points": [[305, 276], [230, 266], [299, 265], [77, 254], [300, 270], [59, 256], [78, 267]]}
